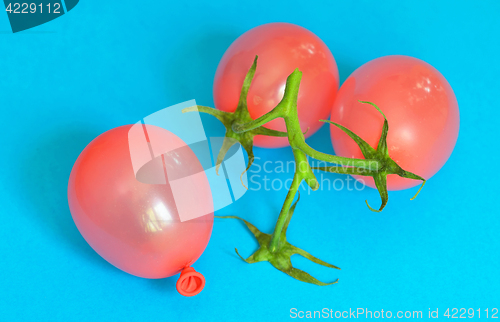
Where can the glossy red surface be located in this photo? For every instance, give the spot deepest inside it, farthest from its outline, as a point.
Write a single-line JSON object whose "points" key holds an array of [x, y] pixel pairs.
{"points": [[281, 48], [421, 109], [133, 225]]}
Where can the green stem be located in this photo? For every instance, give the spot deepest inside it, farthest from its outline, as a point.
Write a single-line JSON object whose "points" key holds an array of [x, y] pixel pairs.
{"points": [[287, 109], [285, 212], [288, 105], [368, 164], [241, 128]]}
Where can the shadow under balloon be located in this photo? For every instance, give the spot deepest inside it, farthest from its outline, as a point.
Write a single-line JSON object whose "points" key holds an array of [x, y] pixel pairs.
{"points": [[164, 285], [44, 174]]}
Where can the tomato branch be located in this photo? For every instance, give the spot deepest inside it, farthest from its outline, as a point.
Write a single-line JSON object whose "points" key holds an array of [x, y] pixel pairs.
{"points": [[240, 127]]}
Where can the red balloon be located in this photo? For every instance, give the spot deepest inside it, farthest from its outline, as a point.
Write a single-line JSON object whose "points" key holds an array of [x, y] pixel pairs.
{"points": [[137, 226], [281, 48], [421, 109]]}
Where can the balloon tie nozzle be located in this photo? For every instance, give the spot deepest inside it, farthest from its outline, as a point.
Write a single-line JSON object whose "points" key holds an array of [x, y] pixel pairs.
{"points": [[190, 282]]}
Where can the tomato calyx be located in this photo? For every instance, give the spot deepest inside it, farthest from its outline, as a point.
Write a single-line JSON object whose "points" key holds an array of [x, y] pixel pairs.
{"points": [[387, 165], [231, 120], [280, 257]]}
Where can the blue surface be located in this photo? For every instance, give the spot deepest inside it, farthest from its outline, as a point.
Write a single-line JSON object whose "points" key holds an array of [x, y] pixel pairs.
{"points": [[108, 63]]}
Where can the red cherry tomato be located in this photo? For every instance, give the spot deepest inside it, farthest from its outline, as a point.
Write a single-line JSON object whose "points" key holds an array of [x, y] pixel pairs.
{"points": [[134, 225], [421, 109], [281, 48]]}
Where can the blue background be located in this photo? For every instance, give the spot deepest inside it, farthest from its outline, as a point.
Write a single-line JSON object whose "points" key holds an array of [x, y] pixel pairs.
{"points": [[109, 63]]}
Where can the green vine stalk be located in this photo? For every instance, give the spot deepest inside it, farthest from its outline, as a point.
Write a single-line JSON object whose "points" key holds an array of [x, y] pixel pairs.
{"points": [[240, 127]]}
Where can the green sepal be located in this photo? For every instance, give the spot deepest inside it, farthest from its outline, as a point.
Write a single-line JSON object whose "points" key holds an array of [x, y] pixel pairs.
{"points": [[381, 184], [381, 154], [366, 149], [281, 258], [268, 132], [382, 143], [239, 116]]}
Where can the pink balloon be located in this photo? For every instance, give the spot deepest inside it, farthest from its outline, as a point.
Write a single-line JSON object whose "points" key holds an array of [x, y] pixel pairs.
{"points": [[134, 225]]}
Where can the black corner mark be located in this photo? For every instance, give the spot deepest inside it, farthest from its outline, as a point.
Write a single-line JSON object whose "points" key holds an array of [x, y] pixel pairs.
{"points": [[26, 14]]}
